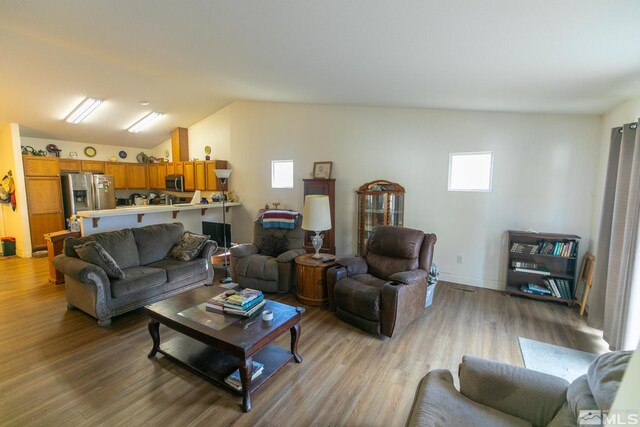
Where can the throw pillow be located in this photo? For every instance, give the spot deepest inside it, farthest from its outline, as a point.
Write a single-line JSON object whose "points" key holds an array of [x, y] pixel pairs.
{"points": [[94, 253], [274, 245], [188, 247]]}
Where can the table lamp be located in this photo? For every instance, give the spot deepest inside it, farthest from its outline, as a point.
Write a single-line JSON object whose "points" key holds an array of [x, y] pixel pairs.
{"points": [[316, 216], [223, 175]]}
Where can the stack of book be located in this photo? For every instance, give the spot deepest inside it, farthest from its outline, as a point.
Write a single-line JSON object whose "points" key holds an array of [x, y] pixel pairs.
{"points": [[551, 286], [529, 267], [563, 249], [234, 379], [243, 302]]}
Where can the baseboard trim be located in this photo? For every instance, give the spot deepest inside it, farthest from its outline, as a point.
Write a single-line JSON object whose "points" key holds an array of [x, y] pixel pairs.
{"points": [[473, 281]]}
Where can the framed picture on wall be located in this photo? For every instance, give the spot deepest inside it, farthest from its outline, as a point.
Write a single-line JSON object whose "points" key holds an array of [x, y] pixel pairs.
{"points": [[322, 170]]}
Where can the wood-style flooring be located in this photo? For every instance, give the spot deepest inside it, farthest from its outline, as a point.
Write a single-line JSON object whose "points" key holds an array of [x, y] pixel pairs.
{"points": [[58, 368]]}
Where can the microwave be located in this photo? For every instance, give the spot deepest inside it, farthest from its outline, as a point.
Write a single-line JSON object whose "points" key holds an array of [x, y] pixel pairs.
{"points": [[174, 183]]}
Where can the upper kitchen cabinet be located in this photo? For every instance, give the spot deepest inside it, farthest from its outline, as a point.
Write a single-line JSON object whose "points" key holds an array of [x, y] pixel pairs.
{"points": [[136, 176], [200, 175], [189, 176], [70, 165], [119, 174], [94, 166], [213, 183], [41, 166]]}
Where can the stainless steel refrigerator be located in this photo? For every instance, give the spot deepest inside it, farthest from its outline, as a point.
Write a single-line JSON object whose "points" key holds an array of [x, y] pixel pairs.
{"points": [[86, 191], [104, 192], [77, 193]]}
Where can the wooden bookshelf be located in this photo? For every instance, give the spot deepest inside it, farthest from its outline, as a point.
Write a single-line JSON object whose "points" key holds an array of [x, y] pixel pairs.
{"points": [[561, 263]]}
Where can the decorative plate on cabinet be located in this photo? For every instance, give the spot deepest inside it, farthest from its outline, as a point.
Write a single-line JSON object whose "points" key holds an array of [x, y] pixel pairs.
{"points": [[122, 154], [90, 151]]}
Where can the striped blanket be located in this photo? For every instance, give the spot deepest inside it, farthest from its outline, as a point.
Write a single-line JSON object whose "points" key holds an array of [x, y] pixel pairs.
{"points": [[279, 219]]}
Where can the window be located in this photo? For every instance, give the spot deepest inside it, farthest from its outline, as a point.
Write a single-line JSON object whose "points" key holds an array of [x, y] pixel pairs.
{"points": [[282, 174], [470, 171]]}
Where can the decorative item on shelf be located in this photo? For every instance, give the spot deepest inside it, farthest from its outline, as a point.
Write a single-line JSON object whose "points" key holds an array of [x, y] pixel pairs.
{"points": [[207, 151], [266, 206], [232, 197], [53, 148], [122, 154], [316, 216], [223, 176], [73, 154], [142, 158], [275, 205], [166, 155], [90, 151], [113, 159], [322, 170]]}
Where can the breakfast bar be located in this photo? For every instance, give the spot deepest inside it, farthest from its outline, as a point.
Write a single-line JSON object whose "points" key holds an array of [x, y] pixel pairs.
{"points": [[190, 215]]}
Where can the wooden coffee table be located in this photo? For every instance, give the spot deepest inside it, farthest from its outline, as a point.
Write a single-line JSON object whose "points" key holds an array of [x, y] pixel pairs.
{"points": [[214, 345]]}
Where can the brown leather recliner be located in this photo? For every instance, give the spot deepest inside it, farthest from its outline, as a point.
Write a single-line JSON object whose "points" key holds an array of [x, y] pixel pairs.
{"points": [[385, 290]]}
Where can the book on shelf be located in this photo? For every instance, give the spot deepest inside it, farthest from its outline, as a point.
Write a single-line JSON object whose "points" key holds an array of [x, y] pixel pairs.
{"points": [[524, 264], [564, 288], [551, 284], [234, 379], [524, 248], [539, 270], [534, 289]]}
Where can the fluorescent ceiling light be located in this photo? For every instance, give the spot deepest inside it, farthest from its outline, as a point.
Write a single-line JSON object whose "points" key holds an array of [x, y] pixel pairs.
{"points": [[83, 110], [144, 122]]}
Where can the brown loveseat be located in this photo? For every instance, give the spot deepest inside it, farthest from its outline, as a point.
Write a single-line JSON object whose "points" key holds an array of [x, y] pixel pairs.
{"points": [[385, 290]]}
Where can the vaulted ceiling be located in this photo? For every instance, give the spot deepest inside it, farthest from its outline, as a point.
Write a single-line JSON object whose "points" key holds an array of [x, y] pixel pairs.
{"points": [[191, 58]]}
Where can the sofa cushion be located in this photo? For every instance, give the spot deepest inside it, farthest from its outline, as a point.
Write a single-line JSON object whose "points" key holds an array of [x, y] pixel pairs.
{"points": [[188, 247], [137, 279], [120, 244], [360, 295], [94, 253], [605, 374], [274, 245], [178, 270], [579, 397], [155, 241]]}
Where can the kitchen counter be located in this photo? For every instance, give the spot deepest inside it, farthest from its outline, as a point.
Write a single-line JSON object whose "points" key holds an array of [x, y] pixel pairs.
{"points": [[142, 209], [97, 221]]}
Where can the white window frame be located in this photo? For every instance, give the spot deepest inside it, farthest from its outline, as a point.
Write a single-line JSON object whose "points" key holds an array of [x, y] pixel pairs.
{"points": [[480, 189], [273, 173]]}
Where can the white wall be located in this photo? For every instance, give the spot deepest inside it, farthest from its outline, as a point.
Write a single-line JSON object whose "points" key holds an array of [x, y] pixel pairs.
{"points": [[543, 172]]}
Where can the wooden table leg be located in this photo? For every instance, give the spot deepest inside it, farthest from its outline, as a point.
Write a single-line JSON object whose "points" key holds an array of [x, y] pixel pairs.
{"points": [[295, 336], [246, 370], [154, 331]]}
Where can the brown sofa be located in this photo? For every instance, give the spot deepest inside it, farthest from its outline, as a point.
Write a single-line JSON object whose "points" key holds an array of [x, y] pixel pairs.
{"points": [[496, 394], [385, 290]]}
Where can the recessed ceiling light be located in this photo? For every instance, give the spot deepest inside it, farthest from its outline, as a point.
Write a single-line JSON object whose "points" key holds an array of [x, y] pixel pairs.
{"points": [[144, 103], [83, 110], [144, 122]]}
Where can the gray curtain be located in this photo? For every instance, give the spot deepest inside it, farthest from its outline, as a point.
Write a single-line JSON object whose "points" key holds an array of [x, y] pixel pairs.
{"points": [[614, 304]]}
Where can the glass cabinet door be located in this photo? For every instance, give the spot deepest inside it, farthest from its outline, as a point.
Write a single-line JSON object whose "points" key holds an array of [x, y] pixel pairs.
{"points": [[379, 203]]}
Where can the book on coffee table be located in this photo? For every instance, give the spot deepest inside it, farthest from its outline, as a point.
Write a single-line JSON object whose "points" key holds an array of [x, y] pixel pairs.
{"points": [[234, 379]]}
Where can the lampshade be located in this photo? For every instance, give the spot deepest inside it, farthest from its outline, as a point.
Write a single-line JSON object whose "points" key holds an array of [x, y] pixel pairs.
{"points": [[316, 215], [223, 173]]}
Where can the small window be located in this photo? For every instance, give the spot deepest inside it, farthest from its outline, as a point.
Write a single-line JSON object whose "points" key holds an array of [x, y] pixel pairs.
{"points": [[470, 171], [282, 174]]}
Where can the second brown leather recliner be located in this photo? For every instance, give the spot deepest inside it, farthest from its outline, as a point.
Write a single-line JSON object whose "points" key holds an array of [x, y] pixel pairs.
{"points": [[385, 289]]}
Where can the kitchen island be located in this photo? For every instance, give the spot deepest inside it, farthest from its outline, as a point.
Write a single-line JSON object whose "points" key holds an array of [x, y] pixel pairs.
{"points": [[191, 216]]}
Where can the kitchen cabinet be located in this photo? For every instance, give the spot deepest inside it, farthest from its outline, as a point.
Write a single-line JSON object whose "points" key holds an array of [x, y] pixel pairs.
{"points": [[70, 165], [153, 176], [44, 198], [212, 181], [188, 170], [119, 174], [171, 168], [379, 203], [94, 166], [41, 166], [162, 173], [178, 168], [136, 176], [200, 175]]}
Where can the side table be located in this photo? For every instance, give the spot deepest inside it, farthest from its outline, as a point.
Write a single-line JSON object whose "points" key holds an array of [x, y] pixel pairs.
{"points": [[311, 278], [54, 247]]}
